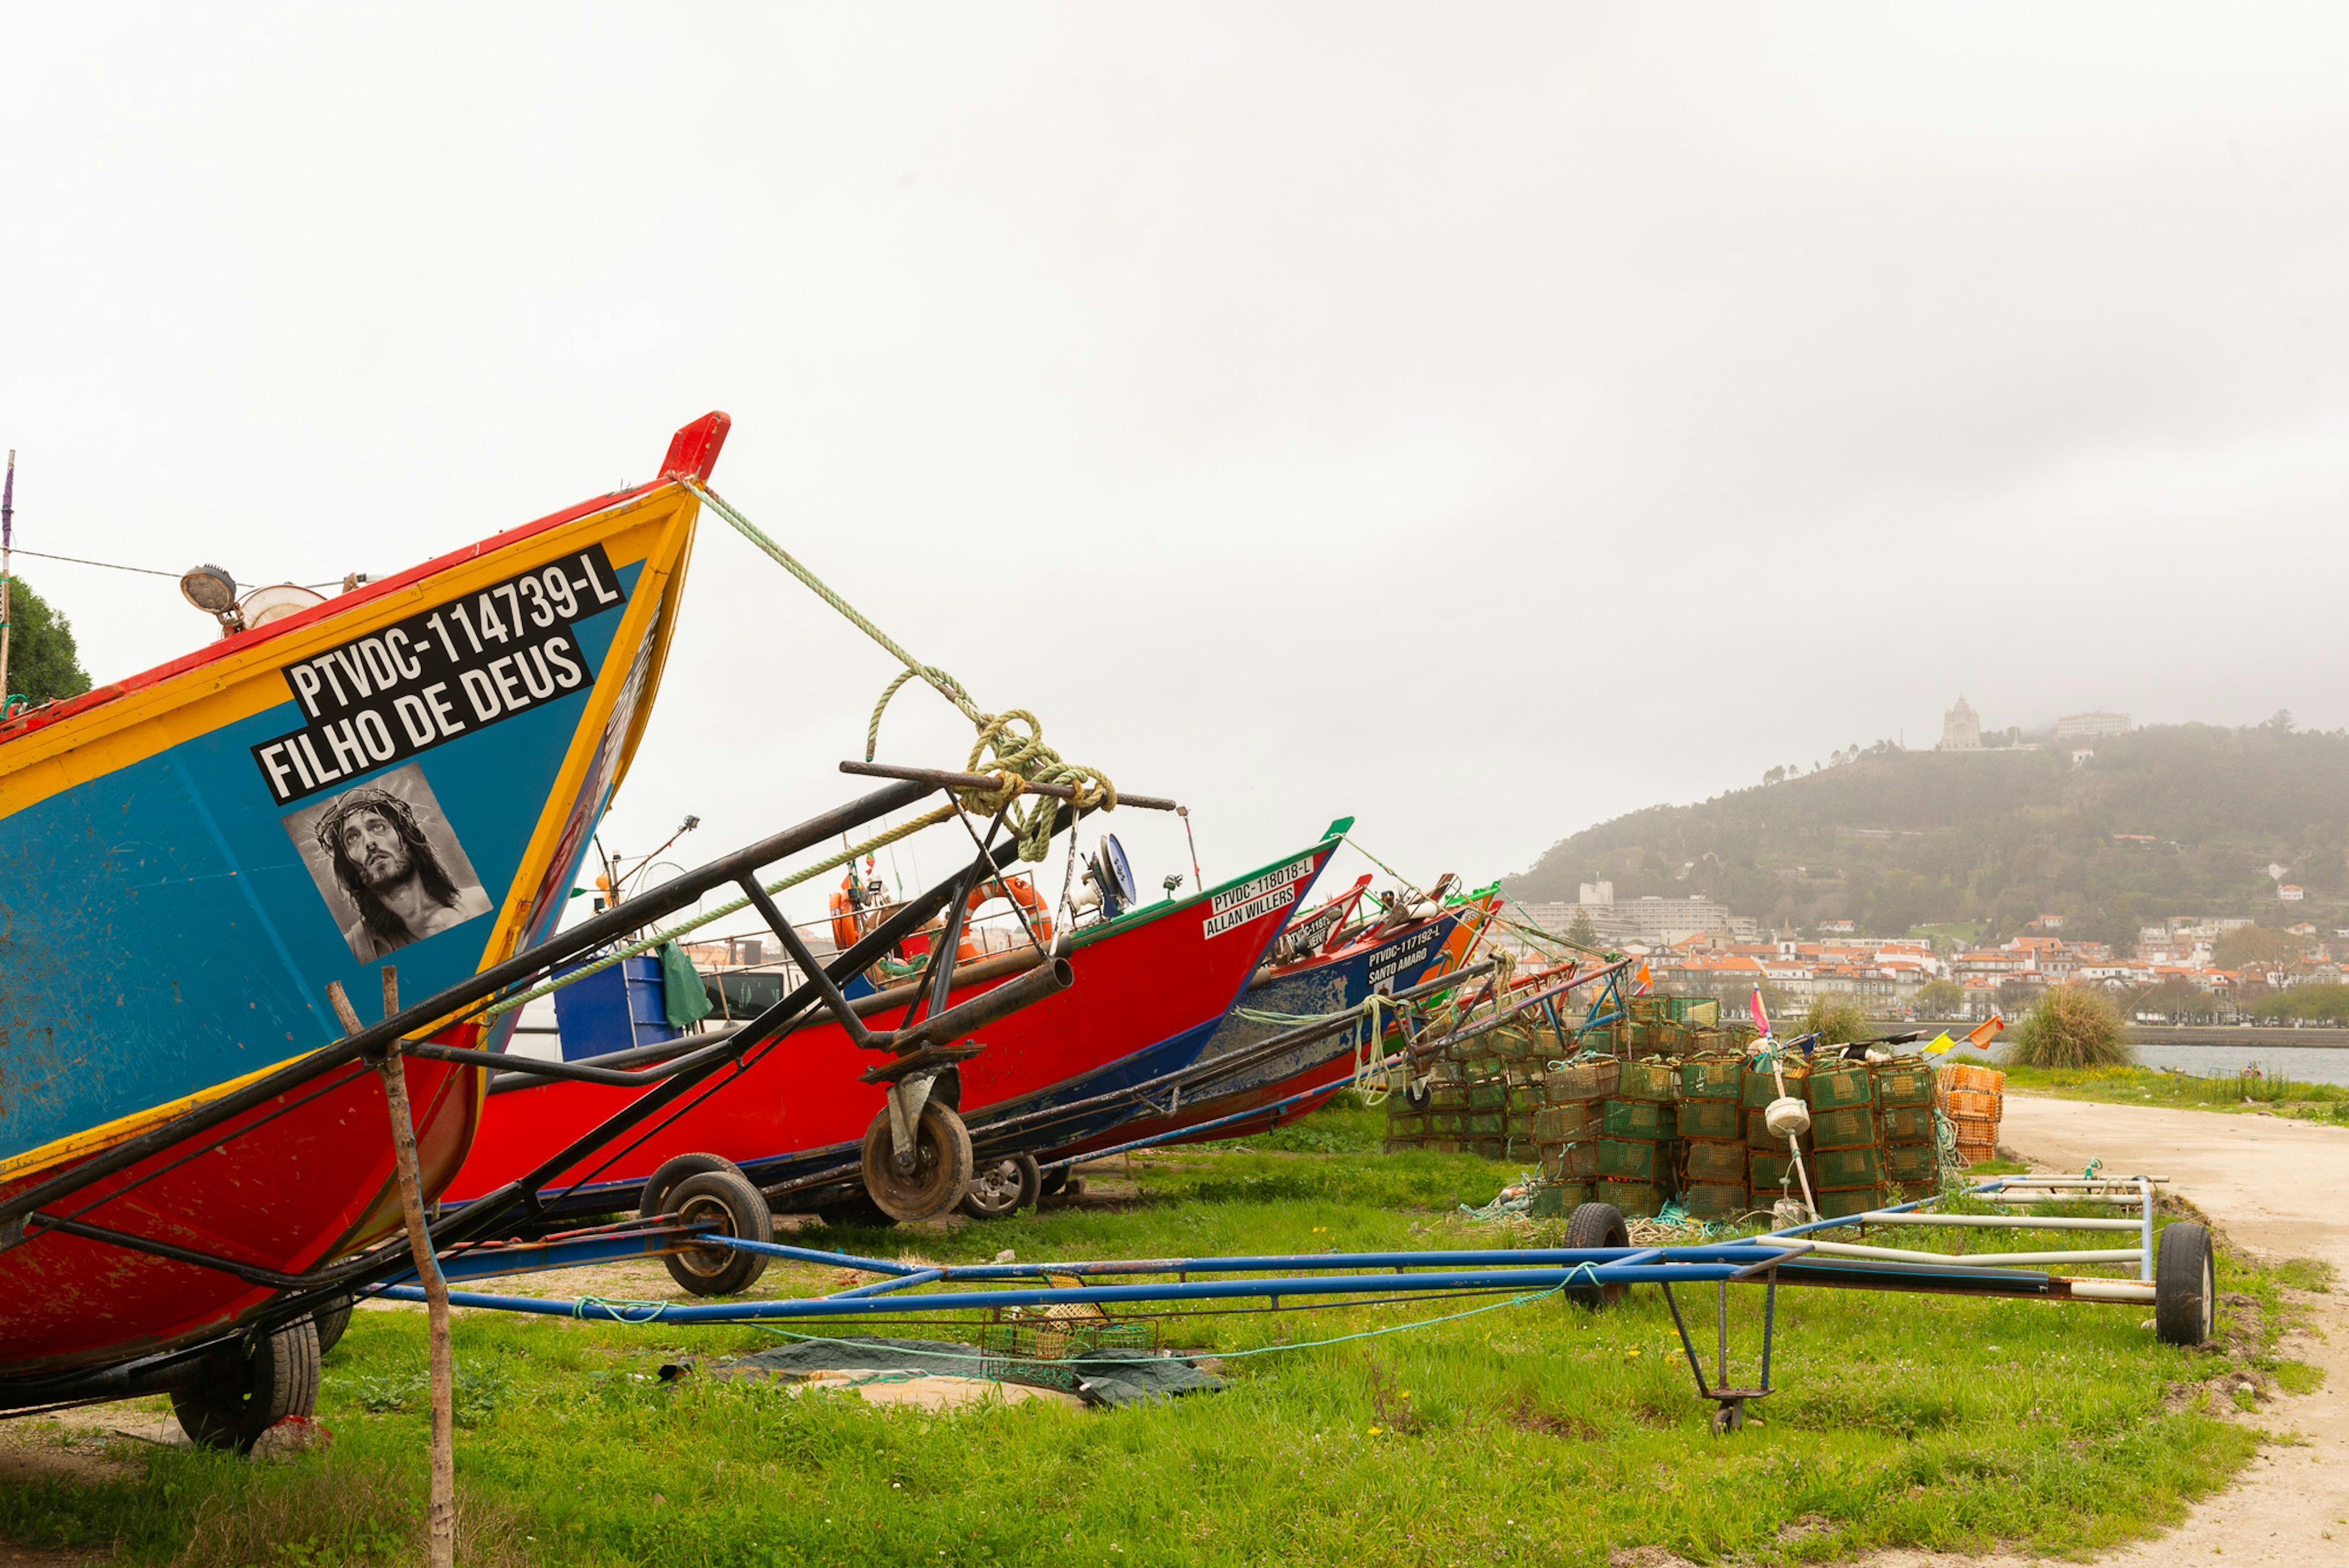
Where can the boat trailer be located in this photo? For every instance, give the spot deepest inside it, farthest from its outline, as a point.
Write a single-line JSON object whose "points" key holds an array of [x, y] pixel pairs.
{"points": [[2172, 1268]]}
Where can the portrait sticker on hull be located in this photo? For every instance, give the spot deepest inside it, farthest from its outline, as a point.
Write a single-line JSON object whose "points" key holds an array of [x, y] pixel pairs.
{"points": [[460, 666], [388, 863]]}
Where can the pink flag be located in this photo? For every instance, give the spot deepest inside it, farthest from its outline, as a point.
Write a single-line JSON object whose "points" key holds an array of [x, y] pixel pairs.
{"points": [[1761, 1019]]}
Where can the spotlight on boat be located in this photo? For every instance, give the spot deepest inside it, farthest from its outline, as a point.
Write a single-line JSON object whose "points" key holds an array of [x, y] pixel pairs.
{"points": [[210, 588]]}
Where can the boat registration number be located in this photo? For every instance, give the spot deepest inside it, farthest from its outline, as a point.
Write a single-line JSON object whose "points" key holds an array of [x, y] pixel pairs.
{"points": [[447, 671]]}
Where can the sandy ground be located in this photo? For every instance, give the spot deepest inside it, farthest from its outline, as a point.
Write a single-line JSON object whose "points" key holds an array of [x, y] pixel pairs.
{"points": [[2274, 1188]]}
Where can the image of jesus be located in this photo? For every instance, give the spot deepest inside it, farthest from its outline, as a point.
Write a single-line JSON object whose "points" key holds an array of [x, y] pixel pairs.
{"points": [[388, 869]]}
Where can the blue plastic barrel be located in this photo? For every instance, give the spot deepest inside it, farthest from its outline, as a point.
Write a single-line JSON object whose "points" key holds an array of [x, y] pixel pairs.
{"points": [[613, 1009]]}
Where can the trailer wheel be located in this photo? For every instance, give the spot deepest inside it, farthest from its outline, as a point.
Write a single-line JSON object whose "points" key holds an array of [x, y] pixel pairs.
{"points": [[2185, 1285], [1596, 1225], [330, 1320], [249, 1388], [1055, 1183], [941, 1171], [741, 1209], [1001, 1187], [653, 1203]]}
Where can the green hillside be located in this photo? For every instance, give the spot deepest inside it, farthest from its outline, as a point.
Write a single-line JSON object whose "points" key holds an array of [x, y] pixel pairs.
{"points": [[1898, 839]]}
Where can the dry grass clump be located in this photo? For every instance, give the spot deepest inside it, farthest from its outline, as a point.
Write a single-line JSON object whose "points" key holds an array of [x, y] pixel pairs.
{"points": [[2070, 1026]]}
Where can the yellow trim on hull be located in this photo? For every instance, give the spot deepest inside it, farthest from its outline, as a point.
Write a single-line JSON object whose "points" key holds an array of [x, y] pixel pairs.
{"points": [[144, 723]]}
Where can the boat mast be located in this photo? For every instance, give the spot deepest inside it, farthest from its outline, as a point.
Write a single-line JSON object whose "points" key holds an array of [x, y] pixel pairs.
{"points": [[7, 543]]}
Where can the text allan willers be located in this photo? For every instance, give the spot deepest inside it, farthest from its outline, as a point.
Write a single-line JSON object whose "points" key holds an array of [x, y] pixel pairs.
{"points": [[459, 667]]}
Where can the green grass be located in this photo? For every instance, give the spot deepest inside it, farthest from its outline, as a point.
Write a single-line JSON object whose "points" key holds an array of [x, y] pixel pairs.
{"points": [[2146, 1086], [1536, 1432]]}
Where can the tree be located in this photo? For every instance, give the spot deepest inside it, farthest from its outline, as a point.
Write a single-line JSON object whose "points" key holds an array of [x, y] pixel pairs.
{"points": [[2070, 1026], [2328, 1004], [1940, 999], [2015, 995], [1581, 931], [2176, 1001], [2121, 925], [2256, 945], [43, 663]]}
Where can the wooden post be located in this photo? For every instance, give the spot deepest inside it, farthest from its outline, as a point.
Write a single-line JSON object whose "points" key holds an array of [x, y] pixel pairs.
{"points": [[440, 1515]]}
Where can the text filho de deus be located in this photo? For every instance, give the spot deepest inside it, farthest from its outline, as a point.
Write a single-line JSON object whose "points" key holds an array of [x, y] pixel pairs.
{"points": [[450, 671]]}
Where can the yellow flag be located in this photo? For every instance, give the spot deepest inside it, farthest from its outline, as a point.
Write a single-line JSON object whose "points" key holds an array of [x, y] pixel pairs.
{"points": [[1941, 1045]]}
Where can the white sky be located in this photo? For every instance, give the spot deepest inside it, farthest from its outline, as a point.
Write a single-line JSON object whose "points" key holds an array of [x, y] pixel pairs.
{"points": [[1481, 421]]}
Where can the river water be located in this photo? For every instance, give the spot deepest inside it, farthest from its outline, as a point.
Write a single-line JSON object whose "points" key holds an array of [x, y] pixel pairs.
{"points": [[2327, 1063]]}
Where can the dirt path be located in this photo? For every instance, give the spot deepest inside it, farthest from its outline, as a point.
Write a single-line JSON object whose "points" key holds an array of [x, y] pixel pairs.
{"points": [[2277, 1187]]}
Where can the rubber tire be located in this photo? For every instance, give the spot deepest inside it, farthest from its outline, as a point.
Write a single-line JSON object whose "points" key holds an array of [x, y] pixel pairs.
{"points": [[650, 1204], [2185, 1284], [1419, 1096], [941, 1171], [726, 1196], [1055, 1183], [250, 1388], [1596, 1225], [1026, 1182], [331, 1320]]}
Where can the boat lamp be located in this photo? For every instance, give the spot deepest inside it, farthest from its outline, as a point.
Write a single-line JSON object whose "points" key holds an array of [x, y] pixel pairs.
{"points": [[212, 590]]}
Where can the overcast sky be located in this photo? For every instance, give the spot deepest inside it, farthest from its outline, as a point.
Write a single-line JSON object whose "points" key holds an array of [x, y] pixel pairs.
{"points": [[1482, 420]]}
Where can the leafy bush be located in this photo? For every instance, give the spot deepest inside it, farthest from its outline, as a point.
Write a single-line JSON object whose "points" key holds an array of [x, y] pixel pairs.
{"points": [[2072, 1026], [1835, 1020]]}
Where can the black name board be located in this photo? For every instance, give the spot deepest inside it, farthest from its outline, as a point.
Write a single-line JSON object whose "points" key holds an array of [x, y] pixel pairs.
{"points": [[459, 667]]}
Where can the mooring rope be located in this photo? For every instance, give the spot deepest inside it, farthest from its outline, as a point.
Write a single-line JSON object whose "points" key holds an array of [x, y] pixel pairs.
{"points": [[1010, 744]]}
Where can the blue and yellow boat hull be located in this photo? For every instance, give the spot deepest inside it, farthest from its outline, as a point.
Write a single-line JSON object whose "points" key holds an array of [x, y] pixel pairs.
{"points": [[189, 858]]}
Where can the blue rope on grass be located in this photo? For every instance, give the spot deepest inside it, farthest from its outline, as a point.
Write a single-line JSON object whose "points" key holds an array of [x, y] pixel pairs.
{"points": [[1584, 1268]]}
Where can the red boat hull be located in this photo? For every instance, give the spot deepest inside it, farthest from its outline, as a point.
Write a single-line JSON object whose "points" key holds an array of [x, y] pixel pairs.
{"points": [[1321, 1062], [1150, 988], [309, 1180]]}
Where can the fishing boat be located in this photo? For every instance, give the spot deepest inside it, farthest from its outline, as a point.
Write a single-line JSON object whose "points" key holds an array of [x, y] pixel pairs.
{"points": [[1152, 983], [400, 776], [1331, 968]]}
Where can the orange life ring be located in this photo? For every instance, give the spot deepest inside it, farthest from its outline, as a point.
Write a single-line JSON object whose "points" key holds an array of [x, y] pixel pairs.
{"points": [[845, 931], [1019, 891]]}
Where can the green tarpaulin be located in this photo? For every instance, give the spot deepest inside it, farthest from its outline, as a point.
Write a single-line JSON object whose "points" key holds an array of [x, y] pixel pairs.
{"points": [[683, 997]]}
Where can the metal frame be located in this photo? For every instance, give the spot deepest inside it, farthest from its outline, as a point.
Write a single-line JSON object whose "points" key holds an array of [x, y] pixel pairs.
{"points": [[1582, 1273], [2118, 1190], [24, 1216]]}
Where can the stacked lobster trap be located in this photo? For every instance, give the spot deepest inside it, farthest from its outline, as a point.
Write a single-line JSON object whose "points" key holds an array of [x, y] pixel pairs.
{"points": [[1483, 1096], [1714, 1161], [1973, 1098], [1712, 1132]]}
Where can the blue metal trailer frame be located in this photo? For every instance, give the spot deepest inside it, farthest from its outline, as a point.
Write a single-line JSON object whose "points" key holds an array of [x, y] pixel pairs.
{"points": [[1588, 1274]]}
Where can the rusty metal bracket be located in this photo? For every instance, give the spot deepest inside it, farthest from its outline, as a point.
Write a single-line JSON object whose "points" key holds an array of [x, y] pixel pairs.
{"points": [[1729, 1415]]}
